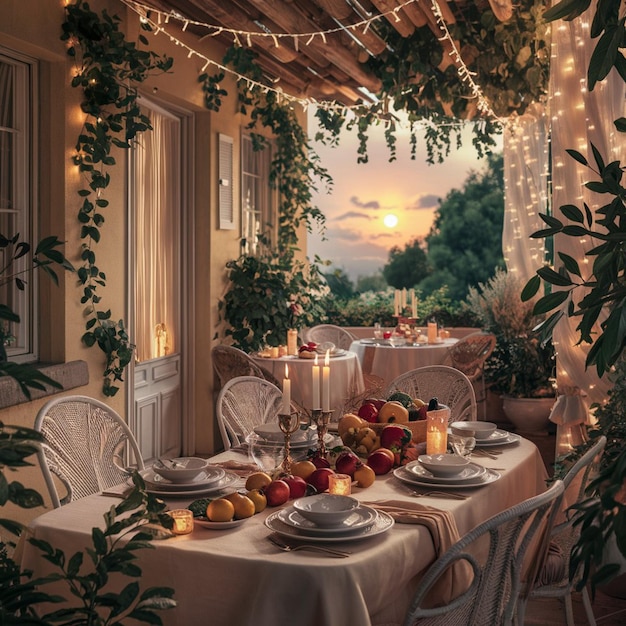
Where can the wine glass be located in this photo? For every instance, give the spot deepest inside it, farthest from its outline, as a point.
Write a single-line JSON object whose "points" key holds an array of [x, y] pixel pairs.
{"points": [[267, 454], [462, 446]]}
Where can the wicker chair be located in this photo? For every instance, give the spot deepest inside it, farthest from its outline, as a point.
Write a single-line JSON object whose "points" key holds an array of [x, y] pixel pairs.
{"points": [[86, 444], [469, 355], [495, 552], [449, 385], [243, 403], [553, 579], [229, 362], [329, 332]]}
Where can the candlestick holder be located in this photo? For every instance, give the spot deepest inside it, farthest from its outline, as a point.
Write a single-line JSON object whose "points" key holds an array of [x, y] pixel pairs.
{"points": [[288, 424], [321, 419]]}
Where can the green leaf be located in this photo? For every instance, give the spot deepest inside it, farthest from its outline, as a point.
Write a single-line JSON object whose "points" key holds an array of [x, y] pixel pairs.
{"points": [[572, 213], [531, 288], [577, 156], [571, 265], [550, 301], [620, 124], [554, 278]]}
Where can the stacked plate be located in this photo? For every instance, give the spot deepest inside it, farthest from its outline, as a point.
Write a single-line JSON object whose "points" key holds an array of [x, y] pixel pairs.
{"points": [[359, 523], [209, 480], [498, 438], [472, 475], [271, 432]]}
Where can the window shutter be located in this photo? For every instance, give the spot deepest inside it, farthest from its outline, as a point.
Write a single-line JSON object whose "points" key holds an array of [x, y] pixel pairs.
{"points": [[226, 211]]}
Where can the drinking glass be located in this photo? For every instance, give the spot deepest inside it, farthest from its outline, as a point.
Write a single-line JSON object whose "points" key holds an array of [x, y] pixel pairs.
{"points": [[378, 331], [265, 453], [462, 446]]}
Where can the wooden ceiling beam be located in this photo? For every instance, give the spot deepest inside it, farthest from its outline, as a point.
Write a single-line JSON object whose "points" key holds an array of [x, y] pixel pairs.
{"points": [[402, 24]]}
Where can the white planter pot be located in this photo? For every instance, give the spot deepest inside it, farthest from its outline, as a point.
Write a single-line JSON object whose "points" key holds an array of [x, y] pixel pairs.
{"points": [[528, 414]]}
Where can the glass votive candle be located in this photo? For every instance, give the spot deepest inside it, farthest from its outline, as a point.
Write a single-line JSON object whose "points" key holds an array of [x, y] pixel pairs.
{"points": [[437, 430], [340, 484], [274, 352], [183, 521]]}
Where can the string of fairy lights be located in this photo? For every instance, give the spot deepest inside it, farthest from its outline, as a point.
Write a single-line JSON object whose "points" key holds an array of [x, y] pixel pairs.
{"points": [[159, 21]]}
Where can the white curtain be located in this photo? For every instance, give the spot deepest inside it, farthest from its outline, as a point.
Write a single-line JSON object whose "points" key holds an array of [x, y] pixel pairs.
{"points": [[526, 161], [578, 118], [156, 201]]}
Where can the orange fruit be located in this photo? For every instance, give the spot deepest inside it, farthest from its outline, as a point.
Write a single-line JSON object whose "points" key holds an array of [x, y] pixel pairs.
{"points": [[258, 480], [303, 468], [349, 420], [259, 499], [364, 476], [244, 507], [220, 510]]}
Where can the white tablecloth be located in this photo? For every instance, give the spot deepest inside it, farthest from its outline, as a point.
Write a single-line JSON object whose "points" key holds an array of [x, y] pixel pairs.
{"points": [[237, 577], [346, 379], [387, 362]]}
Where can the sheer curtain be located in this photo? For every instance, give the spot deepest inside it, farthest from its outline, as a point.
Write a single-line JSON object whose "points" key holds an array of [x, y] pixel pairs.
{"points": [[156, 202]]}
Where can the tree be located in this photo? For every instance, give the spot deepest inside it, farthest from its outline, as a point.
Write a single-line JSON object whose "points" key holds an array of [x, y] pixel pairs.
{"points": [[464, 246], [375, 282], [340, 284], [406, 268]]}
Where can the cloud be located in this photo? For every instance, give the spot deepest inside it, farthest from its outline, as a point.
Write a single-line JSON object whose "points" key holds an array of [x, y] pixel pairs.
{"points": [[427, 201], [349, 214], [372, 204], [343, 234]]}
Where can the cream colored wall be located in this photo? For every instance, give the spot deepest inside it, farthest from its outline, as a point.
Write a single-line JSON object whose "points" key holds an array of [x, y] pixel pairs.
{"points": [[33, 27]]}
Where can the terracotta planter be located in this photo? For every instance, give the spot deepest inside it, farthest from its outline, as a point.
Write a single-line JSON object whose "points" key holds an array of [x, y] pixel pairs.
{"points": [[528, 414]]}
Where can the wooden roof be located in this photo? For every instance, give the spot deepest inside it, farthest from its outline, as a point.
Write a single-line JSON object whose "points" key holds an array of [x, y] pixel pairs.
{"points": [[332, 67]]}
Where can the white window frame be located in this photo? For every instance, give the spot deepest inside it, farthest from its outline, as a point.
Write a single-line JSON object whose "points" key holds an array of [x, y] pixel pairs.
{"points": [[25, 347], [258, 198]]}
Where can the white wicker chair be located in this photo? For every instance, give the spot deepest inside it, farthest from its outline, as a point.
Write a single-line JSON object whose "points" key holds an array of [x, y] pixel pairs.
{"points": [[553, 580], [230, 362], [243, 403], [448, 384], [86, 447], [329, 332], [495, 552]]}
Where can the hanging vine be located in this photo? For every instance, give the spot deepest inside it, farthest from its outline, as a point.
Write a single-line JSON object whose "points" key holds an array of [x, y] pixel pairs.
{"points": [[108, 68]]}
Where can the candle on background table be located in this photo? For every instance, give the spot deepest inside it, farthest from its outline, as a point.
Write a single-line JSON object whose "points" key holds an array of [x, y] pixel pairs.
{"points": [[315, 400], [326, 383], [396, 302], [286, 392], [413, 304], [183, 521], [402, 300], [432, 332], [292, 342]]}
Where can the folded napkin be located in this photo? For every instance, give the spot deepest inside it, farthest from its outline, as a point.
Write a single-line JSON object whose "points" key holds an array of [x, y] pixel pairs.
{"points": [[118, 491], [238, 467], [442, 527]]}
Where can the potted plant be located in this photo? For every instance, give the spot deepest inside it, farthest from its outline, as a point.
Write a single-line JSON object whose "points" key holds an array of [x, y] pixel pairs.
{"points": [[521, 368]]}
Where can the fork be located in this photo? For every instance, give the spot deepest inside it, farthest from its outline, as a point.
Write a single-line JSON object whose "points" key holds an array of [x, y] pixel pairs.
{"points": [[340, 554], [439, 494]]}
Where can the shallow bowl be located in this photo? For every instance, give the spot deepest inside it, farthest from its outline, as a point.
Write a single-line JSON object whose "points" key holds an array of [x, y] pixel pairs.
{"points": [[181, 469], [326, 509], [443, 464], [478, 430]]}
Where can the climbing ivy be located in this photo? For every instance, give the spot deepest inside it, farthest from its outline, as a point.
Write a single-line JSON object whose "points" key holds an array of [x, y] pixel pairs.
{"points": [[108, 70]]}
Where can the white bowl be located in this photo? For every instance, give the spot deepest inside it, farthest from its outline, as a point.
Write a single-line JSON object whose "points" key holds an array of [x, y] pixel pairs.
{"points": [[478, 430], [443, 464], [326, 509], [180, 470]]}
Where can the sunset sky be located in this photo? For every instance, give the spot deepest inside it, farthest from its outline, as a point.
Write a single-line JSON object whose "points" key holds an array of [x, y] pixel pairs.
{"points": [[363, 194]]}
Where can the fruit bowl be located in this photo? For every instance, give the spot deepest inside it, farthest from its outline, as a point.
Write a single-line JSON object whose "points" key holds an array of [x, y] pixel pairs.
{"points": [[180, 470], [478, 430], [326, 509], [443, 464]]}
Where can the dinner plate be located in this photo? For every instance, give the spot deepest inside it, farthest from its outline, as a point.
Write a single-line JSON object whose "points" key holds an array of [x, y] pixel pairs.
{"points": [[370, 342], [382, 523], [405, 476], [336, 352], [469, 473], [173, 490], [362, 517], [271, 431], [206, 477], [499, 440], [205, 523]]}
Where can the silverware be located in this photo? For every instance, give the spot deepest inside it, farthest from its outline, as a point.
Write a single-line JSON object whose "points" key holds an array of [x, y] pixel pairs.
{"points": [[451, 495], [486, 453], [286, 547]]}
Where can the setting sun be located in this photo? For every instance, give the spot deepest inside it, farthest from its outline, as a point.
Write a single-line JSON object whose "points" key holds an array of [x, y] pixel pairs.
{"points": [[390, 220]]}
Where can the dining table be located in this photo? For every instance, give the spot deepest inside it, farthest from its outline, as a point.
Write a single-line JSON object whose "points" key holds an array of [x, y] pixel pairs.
{"points": [[346, 378], [238, 576], [384, 360]]}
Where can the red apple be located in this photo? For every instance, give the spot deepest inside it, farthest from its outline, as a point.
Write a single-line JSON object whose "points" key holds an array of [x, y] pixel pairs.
{"points": [[368, 412], [380, 462], [346, 463], [395, 437], [320, 461], [297, 486], [277, 492], [319, 478]]}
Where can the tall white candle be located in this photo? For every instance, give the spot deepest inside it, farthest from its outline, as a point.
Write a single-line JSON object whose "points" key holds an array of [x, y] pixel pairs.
{"points": [[315, 400], [396, 302], [413, 304], [403, 300], [286, 392], [326, 383]]}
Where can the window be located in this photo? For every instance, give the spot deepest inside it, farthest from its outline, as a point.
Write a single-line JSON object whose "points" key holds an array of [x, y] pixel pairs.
{"points": [[18, 180], [258, 212]]}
